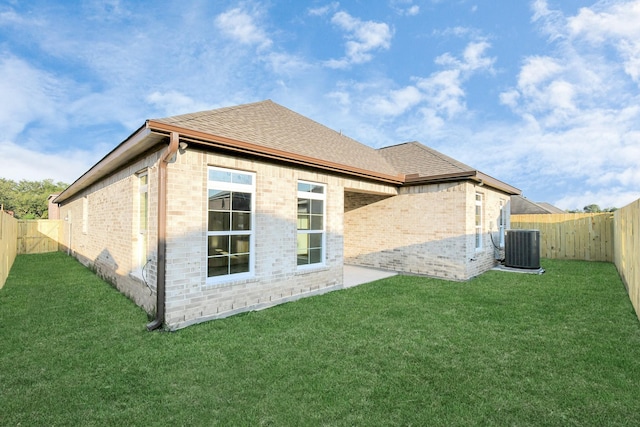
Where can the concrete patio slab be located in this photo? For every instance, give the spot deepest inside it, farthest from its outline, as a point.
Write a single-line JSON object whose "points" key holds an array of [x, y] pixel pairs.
{"points": [[356, 275]]}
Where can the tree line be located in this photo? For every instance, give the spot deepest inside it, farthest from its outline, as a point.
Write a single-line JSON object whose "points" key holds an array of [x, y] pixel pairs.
{"points": [[592, 209], [28, 199]]}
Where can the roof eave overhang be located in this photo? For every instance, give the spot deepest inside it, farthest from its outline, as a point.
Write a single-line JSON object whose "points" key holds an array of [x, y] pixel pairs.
{"points": [[236, 146], [473, 175], [139, 142]]}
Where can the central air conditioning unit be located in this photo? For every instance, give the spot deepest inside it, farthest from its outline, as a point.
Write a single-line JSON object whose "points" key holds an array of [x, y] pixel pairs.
{"points": [[522, 249]]}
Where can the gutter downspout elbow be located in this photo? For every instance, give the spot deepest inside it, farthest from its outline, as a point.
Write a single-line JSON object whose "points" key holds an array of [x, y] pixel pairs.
{"points": [[165, 158]]}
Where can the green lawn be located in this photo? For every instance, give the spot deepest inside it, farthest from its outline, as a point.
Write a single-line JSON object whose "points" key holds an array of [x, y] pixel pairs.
{"points": [[503, 349]]}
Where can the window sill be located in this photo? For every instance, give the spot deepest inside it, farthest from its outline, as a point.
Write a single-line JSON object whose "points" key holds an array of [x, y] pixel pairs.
{"points": [[230, 280], [311, 268]]}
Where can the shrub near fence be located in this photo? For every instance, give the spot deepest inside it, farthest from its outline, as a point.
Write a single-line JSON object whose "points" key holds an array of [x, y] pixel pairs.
{"points": [[571, 236], [8, 244], [627, 250]]}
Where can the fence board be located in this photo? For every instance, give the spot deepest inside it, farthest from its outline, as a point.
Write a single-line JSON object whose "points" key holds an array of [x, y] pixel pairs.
{"points": [[39, 236], [627, 250], [8, 244], [571, 236]]}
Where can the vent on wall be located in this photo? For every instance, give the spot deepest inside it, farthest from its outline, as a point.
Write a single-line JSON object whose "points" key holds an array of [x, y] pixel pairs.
{"points": [[522, 249]]}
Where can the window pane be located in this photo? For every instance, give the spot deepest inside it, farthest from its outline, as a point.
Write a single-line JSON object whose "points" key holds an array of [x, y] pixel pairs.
{"points": [[304, 205], [218, 175], [316, 222], [242, 202], [219, 221], [303, 244], [316, 206], [315, 240], [219, 200], [144, 206], [239, 244], [241, 178], [218, 245], [319, 189], [241, 221], [315, 256], [239, 264], [310, 217], [303, 222], [218, 266], [303, 186]]}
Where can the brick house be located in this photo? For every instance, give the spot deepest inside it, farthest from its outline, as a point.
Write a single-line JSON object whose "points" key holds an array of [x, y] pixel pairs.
{"points": [[205, 215]]}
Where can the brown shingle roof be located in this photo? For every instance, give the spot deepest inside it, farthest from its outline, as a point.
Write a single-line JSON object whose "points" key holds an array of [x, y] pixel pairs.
{"points": [[275, 127], [523, 206], [413, 158]]}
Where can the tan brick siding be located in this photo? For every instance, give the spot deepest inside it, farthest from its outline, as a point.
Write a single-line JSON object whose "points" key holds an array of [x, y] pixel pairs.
{"points": [[109, 245], [428, 229], [423, 230]]}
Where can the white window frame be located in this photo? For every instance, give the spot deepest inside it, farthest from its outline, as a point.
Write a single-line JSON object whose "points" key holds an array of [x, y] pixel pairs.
{"points": [[85, 214], [233, 187], [142, 230], [502, 226], [313, 196], [478, 221]]}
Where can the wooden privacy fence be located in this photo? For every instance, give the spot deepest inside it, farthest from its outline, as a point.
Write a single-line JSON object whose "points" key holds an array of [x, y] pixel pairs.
{"points": [[39, 236], [627, 250], [571, 236], [8, 244]]}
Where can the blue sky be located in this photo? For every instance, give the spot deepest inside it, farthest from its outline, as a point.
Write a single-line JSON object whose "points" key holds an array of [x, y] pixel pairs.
{"points": [[542, 94]]}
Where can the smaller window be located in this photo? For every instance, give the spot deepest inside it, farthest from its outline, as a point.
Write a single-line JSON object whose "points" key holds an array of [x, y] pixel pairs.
{"points": [[85, 215], [311, 223], [143, 220], [502, 222], [478, 221]]}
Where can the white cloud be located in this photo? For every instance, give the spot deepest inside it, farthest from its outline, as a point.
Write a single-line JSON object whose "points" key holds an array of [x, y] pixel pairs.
{"points": [[441, 94], [405, 7], [363, 37], [241, 26], [397, 102], [413, 10], [617, 25], [19, 163], [551, 21], [606, 198], [173, 103], [285, 63], [29, 95], [324, 10]]}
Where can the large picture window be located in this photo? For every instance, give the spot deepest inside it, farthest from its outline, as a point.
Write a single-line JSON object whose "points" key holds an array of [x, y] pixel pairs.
{"points": [[230, 226], [311, 224]]}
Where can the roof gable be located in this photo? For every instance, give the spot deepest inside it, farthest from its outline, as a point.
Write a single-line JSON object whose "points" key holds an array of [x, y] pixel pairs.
{"points": [[414, 158], [268, 130], [272, 126]]}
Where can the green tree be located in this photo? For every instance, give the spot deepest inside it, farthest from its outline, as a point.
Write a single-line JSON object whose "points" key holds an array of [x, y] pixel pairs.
{"points": [[28, 199], [592, 209]]}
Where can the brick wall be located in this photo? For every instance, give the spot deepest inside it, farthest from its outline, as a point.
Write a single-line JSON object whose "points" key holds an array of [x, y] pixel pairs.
{"points": [[423, 230], [427, 229], [277, 278], [100, 229]]}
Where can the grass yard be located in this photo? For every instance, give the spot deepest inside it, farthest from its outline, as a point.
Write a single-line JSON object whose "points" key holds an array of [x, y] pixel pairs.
{"points": [[560, 349]]}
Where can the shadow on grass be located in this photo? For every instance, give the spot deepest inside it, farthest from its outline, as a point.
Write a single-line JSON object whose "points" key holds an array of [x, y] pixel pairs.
{"points": [[557, 349]]}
